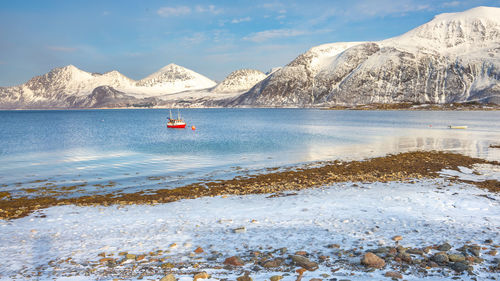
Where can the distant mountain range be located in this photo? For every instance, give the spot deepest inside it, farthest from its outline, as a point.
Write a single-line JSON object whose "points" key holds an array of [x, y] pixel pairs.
{"points": [[453, 58]]}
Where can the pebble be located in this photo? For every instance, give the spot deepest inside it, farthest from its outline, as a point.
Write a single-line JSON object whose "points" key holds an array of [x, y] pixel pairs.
{"points": [[201, 275], [492, 252], [459, 266], [444, 247], [405, 257], [475, 250], [440, 258], [276, 278], [104, 260], [372, 260], [234, 261], [397, 238], [245, 277], [167, 265], [393, 274], [169, 277], [304, 262], [381, 250], [456, 258], [415, 252], [273, 263], [240, 230]]}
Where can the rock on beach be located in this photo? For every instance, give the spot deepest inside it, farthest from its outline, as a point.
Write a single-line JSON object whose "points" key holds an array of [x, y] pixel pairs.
{"points": [[304, 262], [234, 261], [372, 260]]}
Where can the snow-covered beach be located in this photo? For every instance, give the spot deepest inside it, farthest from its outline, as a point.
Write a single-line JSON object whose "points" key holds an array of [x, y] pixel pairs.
{"points": [[333, 226]]}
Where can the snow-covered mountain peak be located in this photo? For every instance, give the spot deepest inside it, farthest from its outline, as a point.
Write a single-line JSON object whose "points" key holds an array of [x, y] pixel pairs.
{"points": [[239, 81], [481, 12], [69, 70], [115, 75], [60, 76], [172, 74], [174, 78], [170, 67], [477, 27], [320, 56]]}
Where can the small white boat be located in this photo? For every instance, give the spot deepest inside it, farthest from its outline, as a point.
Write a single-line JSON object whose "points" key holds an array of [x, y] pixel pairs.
{"points": [[457, 127]]}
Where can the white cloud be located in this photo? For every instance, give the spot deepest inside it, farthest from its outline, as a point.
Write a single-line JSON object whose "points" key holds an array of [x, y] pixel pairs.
{"points": [[273, 6], [381, 8], [452, 4], [271, 34], [61, 49], [241, 20], [186, 10], [195, 38], [208, 9], [174, 11]]}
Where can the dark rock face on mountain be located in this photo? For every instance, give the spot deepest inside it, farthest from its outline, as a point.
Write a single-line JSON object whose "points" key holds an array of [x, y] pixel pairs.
{"points": [[106, 96], [239, 81]]}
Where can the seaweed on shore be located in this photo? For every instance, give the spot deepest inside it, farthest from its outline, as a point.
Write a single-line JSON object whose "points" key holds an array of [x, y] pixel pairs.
{"points": [[399, 167]]}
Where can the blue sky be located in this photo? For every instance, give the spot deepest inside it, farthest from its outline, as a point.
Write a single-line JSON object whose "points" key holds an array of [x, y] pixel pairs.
{"points": [[209, 37]]}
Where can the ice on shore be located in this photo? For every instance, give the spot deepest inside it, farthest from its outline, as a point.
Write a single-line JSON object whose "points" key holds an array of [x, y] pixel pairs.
{"points": [[424, 213]]}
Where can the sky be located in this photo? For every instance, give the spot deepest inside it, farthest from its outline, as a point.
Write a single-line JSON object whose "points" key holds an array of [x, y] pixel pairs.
{"points": [[212, 38]]}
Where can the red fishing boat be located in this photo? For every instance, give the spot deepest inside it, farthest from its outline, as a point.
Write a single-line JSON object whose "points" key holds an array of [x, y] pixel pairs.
{"points": [[176, 123]]}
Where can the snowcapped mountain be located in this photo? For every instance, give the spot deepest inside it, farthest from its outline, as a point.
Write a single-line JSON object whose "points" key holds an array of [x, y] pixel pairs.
{"points": [[55, 87], [453, 58], [71, 87], [73, 81], [239, 81], [173, 78]]}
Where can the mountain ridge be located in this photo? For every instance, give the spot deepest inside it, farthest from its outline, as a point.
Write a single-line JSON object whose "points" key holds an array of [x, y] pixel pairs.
{"points": [[68, 86], [422, 65]]}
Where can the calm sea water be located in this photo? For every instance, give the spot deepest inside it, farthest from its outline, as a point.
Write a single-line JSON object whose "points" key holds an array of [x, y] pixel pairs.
{"points": [[132, 149]]}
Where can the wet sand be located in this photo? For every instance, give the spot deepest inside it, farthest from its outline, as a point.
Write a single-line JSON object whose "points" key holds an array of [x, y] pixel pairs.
{"points": [[400, 167]]}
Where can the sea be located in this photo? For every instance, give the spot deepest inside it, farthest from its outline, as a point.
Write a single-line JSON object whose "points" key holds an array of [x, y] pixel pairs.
{"points": [[130, 150]]}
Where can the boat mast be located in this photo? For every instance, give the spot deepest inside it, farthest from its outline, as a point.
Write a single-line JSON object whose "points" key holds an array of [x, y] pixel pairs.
{"points": [[170, 113]]}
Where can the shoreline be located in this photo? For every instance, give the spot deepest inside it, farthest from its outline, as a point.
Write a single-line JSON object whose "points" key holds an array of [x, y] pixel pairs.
{"points": [[400, 167], [403, 106]]}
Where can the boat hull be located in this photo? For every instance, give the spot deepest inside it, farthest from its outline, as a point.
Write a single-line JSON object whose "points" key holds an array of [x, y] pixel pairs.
{"points": [[177, 126]]}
